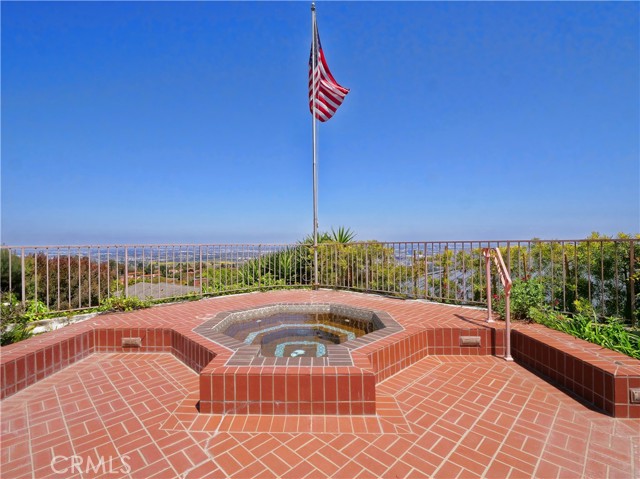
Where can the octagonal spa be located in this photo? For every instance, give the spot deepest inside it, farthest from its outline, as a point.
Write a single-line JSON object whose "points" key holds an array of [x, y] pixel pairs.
{"points": [[293, 359]]}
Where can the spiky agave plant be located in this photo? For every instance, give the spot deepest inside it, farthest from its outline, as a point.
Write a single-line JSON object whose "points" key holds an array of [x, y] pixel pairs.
{"points": [[342, 235], [323, 237]]}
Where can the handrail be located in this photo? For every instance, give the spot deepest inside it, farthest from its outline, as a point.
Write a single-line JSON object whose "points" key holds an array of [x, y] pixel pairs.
{"points": [[505, 279]]}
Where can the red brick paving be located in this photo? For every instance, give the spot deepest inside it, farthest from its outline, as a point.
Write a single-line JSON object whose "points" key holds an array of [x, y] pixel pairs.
{"points": [[443, 416], [599, 376]]}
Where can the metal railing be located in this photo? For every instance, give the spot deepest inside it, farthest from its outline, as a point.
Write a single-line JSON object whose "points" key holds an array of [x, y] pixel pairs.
{"points": [[67, 278], [505, 279]]}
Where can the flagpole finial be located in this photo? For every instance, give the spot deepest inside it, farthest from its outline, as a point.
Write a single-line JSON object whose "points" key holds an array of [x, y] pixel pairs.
{"points": [[313, 6]]}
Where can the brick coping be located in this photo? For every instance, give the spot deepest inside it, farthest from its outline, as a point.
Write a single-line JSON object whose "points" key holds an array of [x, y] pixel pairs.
{"points": [[606, 359]]}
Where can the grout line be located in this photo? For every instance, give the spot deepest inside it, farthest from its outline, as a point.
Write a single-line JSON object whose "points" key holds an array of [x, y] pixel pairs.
{"points": [[546, 441], [487, 408], [635, 457], [64, 420], [126, 366], [586, 455], [102, 372], [195, 466], [522, 409], [422, 375], [26, 412]]}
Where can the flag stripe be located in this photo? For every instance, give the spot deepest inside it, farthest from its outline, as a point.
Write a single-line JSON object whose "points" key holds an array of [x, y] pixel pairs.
{"points": [[329, 94]]}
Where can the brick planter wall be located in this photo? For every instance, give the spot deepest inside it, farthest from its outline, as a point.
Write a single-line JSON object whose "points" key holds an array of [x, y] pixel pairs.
{"points": [[23, 367], [42, 356], [599, 376]]}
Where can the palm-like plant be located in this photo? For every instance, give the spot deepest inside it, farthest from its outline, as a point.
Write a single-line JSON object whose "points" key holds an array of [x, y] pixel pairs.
{"points": [[342, 235], [323, 237]]}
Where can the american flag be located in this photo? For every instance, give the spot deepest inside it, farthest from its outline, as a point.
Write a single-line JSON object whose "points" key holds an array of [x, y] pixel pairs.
{"points": [[329, 95]]}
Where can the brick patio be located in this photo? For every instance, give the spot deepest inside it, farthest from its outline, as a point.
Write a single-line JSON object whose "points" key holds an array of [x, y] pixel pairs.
{"points": [[450, 412]]}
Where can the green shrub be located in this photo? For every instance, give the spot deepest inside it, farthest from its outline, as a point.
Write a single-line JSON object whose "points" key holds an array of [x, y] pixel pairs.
{"points": [[16, 318], [609, 333], [525, 294], [15, 332], [119, 303]]}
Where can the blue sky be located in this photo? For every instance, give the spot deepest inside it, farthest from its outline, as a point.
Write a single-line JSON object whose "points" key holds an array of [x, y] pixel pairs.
{"points": [[188, 122]]}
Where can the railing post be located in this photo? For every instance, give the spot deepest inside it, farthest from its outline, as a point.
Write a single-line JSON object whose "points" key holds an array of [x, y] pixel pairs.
{"points": [[505, 278], [200, 254], [126, 272], [632, 289], [23, 279], [316, 285], [507, 352], [366, 266], [10, 279], [446, 269], [426, 272], [487, 266], [259, 265], [414, 277]]}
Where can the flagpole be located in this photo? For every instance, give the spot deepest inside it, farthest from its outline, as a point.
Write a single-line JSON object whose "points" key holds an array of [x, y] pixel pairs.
{"points": [[314, 136]]}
